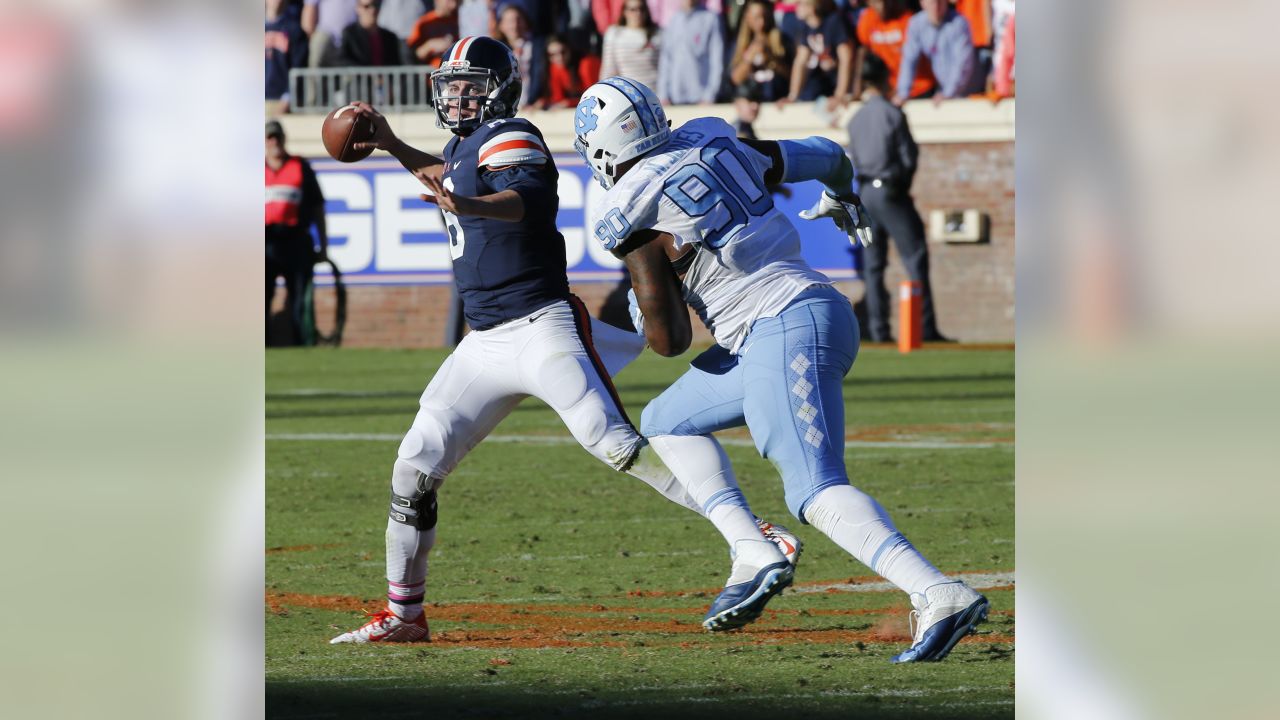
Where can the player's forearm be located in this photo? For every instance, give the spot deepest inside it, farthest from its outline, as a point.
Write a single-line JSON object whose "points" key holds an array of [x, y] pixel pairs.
{"points": [[413, 159], [657, 291], [506, 206]]}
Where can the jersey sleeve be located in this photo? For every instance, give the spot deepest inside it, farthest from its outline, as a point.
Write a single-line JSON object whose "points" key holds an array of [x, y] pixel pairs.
{"points": [[629, 206], [532, 182], [512, 143]]}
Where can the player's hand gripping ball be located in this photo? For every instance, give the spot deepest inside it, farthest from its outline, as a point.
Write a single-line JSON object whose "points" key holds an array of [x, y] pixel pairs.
{"points": [[343, 128]]}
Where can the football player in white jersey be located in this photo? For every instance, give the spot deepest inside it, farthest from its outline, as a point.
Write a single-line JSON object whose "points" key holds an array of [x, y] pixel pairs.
{"points": [[690, 212]]}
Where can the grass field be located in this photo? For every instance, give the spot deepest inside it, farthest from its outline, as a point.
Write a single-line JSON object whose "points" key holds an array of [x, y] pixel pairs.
{"points": [[561, 589]]}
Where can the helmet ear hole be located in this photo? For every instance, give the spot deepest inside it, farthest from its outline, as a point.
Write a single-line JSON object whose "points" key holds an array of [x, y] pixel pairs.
{"points": [[598, 154]]}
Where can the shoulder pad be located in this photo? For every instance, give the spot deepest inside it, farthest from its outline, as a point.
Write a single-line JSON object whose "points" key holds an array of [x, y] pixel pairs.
{"points": [[514, 141]]}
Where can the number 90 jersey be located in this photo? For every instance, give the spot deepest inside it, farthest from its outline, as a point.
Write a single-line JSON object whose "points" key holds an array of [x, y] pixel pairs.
{"points": [[707, 190], [505, 270]]}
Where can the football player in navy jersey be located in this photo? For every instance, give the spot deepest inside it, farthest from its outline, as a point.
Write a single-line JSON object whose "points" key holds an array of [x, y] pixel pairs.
{"points": [[496, 188]]}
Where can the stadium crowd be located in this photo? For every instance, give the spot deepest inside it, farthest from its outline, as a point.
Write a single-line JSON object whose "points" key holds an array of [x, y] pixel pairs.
{"points": [[689, 51]]}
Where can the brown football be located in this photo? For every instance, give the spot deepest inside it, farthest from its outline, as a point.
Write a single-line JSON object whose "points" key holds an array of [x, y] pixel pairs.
{"points": [[343, 128]]}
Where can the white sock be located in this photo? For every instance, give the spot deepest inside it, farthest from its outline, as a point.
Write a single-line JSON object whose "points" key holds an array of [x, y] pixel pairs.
{"points": [[407, 551], [703, 468], [650, 467], [859, 525]]}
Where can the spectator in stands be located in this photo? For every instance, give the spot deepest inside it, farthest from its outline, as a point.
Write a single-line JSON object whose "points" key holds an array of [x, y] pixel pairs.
{"points": [[978, 14], [367, 44], [884, 155], [663, 10], [941, 35], [324, 21], [1002, 30], [1002, 75], [631, 47], [567, 75], [286, 49], [530, 51], [882, 29], [691, 62], [294, 204], [824, 56], [577, 20], [746, 101], [399, 17], [606, 14], [435, 32], [762, 54], [476, 17], [784, 12]]}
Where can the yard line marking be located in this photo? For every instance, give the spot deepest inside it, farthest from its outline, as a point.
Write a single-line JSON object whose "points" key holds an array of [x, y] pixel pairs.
{"points": [[566, 440], [977, 581]]}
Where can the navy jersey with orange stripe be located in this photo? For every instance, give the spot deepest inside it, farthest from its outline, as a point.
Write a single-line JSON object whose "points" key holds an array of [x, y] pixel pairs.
{"points": [[505, 270]]}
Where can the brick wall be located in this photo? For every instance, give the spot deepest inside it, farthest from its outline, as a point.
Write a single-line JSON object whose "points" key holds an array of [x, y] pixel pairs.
{"points": [[972, 284]]}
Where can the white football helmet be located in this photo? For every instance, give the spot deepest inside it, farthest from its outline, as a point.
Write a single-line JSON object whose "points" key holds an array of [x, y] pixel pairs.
{"points": [[617, 119]]}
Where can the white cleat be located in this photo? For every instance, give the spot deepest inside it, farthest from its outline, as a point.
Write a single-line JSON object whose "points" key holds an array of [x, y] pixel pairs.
{"points": [[786, 541], [944, 614], [386, 626]]}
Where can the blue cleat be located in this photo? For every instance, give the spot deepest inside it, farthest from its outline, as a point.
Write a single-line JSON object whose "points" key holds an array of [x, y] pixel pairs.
{"points": [[742, 603], [946, 613]]}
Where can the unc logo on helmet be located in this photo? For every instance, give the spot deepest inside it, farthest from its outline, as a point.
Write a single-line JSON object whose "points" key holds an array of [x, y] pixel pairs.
{"points": [[625, 120], [477, 81], [584, 120]]}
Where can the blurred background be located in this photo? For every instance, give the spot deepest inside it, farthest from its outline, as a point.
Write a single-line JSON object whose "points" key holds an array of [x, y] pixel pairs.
{"points": [[131, 337]]}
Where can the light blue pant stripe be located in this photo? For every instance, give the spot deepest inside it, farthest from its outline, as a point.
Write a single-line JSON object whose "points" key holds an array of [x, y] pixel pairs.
{"points": [[890, 542], [732, 496]]}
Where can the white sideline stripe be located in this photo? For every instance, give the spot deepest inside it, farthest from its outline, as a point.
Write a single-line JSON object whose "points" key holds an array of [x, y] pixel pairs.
{"points": [[977, 581], [565, 440]]}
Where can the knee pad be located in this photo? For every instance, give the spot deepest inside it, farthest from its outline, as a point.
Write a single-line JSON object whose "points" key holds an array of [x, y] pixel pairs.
{"points": [[415, 507], [424, 445]]}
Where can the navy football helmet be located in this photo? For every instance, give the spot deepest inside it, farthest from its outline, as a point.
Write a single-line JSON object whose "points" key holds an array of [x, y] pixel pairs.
{"points": [[477, 81]]}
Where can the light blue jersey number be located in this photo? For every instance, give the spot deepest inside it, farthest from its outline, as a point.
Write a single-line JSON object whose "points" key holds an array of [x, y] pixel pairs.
{"points": [[722, 177]]}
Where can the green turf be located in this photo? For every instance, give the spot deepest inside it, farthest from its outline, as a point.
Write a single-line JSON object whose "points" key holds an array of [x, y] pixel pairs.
{"points": [[542, 544]]}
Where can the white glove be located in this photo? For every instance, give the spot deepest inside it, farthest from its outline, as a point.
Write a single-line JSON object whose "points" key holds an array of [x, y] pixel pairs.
{"points": [[848, 215], [637, 317]]}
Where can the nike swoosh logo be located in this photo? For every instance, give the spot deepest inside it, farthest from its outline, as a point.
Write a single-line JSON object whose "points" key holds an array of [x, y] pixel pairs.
{"points": [[455, 165], [789, 547]]}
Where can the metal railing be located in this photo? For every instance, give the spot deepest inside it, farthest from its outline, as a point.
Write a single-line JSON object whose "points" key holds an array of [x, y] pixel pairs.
{"points": [[319, 90]]}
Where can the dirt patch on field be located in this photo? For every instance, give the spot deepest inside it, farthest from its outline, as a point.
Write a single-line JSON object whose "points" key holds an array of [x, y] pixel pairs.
{"points": [[500, 625]]}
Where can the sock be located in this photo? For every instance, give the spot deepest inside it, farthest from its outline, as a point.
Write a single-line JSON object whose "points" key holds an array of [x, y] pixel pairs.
{"points": [[649, 467], [407, 550], [703, 469], [859, 525]]}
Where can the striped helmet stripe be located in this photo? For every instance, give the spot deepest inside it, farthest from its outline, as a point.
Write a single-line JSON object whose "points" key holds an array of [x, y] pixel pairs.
{"points": [[636, 96], [460, 49]]}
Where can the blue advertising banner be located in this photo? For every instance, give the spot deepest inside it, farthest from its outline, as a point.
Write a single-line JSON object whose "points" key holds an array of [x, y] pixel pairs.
{"points": [[381, 233]]}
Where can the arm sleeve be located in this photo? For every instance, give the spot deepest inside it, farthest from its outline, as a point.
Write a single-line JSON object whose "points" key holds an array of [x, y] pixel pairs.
{"points": [[910, 55], [531, 182], [905, 146], [959, 50], [817, 158]]}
